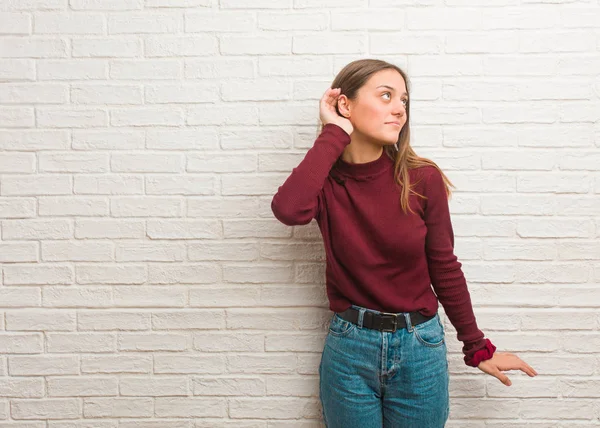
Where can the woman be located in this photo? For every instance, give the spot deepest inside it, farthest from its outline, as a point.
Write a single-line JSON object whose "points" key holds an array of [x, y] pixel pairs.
{"points": [[384, 216]]}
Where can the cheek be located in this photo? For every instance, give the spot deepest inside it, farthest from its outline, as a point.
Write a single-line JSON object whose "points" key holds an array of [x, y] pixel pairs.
{"points": [[370, 118]]}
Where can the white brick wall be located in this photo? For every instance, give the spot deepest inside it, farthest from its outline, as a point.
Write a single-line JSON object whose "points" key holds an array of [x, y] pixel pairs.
{"points": [[144, 281]]}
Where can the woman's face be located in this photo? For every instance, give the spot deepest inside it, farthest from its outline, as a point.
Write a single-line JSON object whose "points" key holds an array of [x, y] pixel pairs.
{"points": [[378, 112]]}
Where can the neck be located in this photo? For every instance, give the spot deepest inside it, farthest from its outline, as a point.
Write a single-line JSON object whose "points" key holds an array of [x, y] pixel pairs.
{"points": [[361, 150]]}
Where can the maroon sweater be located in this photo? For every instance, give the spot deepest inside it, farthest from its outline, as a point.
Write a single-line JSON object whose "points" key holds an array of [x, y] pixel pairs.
{"points": [[377, 256]]}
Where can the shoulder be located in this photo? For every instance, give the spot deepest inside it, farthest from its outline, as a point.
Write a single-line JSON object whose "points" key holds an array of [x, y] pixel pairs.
{"points": [[433, 185], [427, 176]]}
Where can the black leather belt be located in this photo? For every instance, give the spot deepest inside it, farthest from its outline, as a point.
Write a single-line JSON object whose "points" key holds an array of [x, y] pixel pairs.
{"points": [[383, 321]]}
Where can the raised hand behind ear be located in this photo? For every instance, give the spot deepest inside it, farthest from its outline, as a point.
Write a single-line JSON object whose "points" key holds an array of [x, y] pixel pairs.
{"points": [[328, 112]]}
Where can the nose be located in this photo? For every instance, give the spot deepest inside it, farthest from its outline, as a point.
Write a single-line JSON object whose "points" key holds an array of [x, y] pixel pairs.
{"points": [[399, 108]]}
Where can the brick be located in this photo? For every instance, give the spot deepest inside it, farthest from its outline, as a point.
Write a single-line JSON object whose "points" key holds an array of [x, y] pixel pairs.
{"points": [[152, 296], [21, 343], [17, 117], [43, 274], [42, 320], [218, 21], [153, 342], [257, 90], [21, 47], [374, 19], [48, 408], [43, 365], [110, 274], [72, 206], [72, 118], [330, 43], [73, 162], [150, 252], [190, 407], [217, 67], [104, 407], [108, 139], [86, 251], [17, 69], [106, 94], [81, 342], [116, 364], [106, 228], [112, 320], [181, 185], [252, 45], [18, 252], [108, 184], [106, 5], [147, 116], [181, 93], [283, 21], [145, 207], [82, 386], [17, 163], [154, 387], [22, 388], [174, 46], [145, 22], [184, 274], [68, 23], [182, 139], [15, 23], [145, 69], [113, 47], [75, 296], [34, 4], [142, 162]]}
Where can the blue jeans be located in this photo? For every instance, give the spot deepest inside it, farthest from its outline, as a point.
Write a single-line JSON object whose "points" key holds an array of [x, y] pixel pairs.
{"points": [[373, 379]]}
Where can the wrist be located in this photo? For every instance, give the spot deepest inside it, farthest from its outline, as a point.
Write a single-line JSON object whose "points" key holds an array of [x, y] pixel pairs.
{"points": [[485, 353], [345, 126]]}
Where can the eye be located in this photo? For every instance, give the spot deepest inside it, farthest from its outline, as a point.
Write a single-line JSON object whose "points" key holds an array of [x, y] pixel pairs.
{"points": [[404, 100]]}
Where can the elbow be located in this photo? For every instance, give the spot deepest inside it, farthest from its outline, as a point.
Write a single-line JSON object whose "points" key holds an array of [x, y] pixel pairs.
{"points": [[290, 217]]}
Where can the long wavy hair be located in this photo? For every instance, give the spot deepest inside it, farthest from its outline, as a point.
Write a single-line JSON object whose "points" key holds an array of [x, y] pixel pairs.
{"points": [[350, 79]]}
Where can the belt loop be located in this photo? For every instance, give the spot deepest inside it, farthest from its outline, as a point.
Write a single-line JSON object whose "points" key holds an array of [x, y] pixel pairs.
{"points": [[361, 315], [409, 326]]}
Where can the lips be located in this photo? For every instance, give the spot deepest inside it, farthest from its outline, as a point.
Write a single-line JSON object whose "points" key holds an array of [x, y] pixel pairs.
{"points": [[394, 123]]}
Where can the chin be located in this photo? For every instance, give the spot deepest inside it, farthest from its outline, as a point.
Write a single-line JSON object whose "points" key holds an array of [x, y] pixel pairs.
{"points": [[384, 138], [390, 140]]}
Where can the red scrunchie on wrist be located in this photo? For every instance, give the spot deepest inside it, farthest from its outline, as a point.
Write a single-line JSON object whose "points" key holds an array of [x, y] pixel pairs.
{"points": [[483, 354]]}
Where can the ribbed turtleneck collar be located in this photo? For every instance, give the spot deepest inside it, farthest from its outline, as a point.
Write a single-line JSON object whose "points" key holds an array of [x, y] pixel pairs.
{"points": [[367, 170]]}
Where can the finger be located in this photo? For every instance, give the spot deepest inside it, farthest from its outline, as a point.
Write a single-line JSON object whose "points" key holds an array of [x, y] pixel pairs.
{"points": [[503, 378], [328, 92], [327, 104], [526, 368], [523, 366], [329, 97], [333, 97], [531, 369], [326, 95]]}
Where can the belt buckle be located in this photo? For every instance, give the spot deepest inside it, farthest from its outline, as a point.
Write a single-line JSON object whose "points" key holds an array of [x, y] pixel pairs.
{"points": [[394, 318]]}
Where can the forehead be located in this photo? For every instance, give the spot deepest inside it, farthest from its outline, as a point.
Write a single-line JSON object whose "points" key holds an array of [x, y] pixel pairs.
{"points": [[389, 77]]}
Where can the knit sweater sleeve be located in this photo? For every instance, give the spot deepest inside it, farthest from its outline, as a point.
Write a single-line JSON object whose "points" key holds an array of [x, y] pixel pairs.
{"points": [[297, 199], [445, 272]]}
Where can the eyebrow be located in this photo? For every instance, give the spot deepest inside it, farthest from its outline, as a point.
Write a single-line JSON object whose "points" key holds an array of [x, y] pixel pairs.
{"points": [[389, 87]]}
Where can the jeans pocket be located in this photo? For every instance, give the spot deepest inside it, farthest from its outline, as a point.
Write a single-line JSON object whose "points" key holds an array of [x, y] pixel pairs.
{"points": [[339, 327], [431, 332]]}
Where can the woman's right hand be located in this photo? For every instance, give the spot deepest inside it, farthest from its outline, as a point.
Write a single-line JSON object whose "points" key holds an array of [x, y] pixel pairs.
{"points": [[328, 113]]}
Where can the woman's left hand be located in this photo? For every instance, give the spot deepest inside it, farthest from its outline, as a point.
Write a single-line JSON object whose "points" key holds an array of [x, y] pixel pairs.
{"points": [[502, 361]]}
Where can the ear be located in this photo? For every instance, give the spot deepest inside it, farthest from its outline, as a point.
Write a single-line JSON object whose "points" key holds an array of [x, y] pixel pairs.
{"points": [[343, 105]]}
